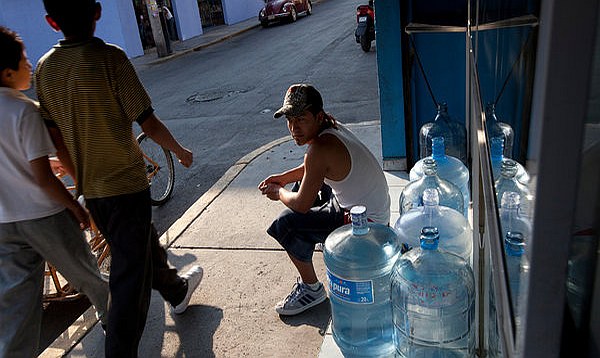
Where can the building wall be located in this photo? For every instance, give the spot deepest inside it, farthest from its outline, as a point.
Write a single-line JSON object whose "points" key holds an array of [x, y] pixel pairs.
{"points": [[187, 18], [236, 11], [117, 25]]}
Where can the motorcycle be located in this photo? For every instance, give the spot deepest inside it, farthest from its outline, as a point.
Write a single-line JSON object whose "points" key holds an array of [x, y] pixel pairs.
{"points": [[365, 28]]}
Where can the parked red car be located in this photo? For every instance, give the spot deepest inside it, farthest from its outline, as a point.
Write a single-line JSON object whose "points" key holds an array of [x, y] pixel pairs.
{"points": [[280, 10]]}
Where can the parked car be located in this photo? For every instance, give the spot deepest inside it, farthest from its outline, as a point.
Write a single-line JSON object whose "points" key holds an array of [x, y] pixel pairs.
{"points": [[282, 10]]}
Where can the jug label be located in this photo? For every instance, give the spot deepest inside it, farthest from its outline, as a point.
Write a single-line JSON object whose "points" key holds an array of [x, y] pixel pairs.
{"points": [[351, 291]]}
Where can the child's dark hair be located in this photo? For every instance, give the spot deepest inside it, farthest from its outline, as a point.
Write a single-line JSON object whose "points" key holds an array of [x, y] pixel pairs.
{"points": [[12, 49], [74, 17]]}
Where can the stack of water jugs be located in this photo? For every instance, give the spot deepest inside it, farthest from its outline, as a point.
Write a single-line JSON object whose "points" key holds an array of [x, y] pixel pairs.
{"points": [[410, 291]]}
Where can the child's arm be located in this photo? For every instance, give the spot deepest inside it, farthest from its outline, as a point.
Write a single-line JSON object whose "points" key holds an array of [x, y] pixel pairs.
{"points": [[159, 133], [61, 151], [55, 189]]}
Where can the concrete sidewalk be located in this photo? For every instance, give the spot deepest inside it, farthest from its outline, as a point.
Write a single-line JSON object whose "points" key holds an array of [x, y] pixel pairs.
{"points": [[245, 271]]}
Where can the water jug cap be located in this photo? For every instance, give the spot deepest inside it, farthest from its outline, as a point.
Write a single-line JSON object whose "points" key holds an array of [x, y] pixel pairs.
{"points": [[508, 169], [430, 237], [510, 200], [514, 243], [431, 197], [429, 166], [358, 215]]}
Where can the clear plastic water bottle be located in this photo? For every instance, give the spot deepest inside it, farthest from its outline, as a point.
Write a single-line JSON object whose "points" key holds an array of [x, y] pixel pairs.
{"points": [[433, 302], [455, 232], [496, 128], [359, 258], [449, 194], [507, 182], [453, 132], [496, 155], [448, 168], [511, 218], [517, 267]]}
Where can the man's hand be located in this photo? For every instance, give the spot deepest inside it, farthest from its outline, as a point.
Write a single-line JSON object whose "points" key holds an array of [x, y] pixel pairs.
{"points": [[271, 190], [81, 215], [57, 167], [185, 157]]}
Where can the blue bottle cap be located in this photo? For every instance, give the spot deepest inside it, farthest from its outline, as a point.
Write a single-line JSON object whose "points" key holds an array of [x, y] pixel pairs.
{"points": [[430, 238]]}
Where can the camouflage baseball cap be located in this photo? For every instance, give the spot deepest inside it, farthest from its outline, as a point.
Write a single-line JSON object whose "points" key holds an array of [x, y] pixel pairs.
{"points": [[298, 98]]}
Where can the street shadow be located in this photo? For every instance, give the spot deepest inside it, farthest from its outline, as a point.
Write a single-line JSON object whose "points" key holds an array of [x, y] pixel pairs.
{"points": [[318, 316]]}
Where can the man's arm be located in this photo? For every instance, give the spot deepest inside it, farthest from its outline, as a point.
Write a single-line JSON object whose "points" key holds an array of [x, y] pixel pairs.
{"points": [[289, 176], [315, 169], [159, 133], [55, 189]]}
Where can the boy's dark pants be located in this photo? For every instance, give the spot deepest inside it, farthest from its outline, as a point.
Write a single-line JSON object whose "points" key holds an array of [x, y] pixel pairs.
{"points": [[139, 263]]}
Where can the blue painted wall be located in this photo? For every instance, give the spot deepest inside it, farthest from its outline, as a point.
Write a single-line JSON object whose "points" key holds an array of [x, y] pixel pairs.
{"points": [[117, 26], [391, 94], [236, 11], [443, 58], [187, 18]]}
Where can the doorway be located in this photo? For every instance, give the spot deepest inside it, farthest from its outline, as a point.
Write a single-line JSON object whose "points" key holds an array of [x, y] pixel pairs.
{"points": [[211, 13]]}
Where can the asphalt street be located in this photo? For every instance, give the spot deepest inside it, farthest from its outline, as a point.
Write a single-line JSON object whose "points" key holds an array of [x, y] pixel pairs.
{"points": [[219, 101]]}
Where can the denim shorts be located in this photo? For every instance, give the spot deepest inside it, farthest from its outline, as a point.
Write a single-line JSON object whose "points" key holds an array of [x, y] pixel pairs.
{"points": [[299, 233]]}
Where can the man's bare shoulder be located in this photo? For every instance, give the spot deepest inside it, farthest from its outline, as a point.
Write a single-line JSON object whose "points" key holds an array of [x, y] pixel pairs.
{"points": [[328, 150]]}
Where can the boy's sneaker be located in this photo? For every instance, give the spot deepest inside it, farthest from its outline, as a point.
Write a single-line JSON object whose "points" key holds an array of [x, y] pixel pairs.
{"points": [[300, 299], [193, 278]]}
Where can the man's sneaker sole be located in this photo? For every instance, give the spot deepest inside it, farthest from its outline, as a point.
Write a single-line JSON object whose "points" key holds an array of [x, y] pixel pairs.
{"points": [[193, 277], [289, 312]]}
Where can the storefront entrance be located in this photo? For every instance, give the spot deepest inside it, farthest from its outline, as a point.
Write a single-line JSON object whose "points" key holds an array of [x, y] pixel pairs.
{"points": [[211, 13], [143, 21]]}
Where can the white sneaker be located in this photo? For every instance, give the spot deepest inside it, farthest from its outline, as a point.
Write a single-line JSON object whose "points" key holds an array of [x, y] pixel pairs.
{"points": [[300, 299], [193, 277]]}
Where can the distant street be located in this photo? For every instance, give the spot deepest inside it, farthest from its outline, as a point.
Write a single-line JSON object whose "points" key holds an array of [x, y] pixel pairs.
{"points": [[219, 101]]}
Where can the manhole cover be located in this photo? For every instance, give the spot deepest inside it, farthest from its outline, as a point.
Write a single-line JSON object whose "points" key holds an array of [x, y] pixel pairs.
{"points": [[214, 95]]}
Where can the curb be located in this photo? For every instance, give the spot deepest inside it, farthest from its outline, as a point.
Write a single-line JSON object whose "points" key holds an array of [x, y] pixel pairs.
{"points": [[176, 229], [199, 47]]}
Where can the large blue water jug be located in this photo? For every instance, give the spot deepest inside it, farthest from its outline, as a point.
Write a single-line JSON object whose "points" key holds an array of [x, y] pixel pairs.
{"points": [[359, 258], [433, 302], [447, 168], [455, 232], [449, 194], [454, 132]]}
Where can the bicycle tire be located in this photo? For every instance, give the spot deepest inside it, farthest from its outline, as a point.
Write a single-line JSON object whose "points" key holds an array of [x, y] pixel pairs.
{"points": [[159, 168]]}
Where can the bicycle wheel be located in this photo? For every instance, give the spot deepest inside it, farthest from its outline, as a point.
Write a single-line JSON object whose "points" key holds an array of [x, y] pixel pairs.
{"points": [[159, 169]]}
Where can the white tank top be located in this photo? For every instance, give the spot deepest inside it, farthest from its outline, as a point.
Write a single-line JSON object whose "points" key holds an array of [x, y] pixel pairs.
{"points": [[365, 184]]}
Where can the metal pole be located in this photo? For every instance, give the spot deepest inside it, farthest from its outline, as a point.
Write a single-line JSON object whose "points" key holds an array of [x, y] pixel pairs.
{"points": [[156, 17]]}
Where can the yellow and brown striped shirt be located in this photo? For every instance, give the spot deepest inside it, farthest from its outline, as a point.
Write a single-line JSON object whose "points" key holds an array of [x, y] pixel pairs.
{"points": [[91, 92]]}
